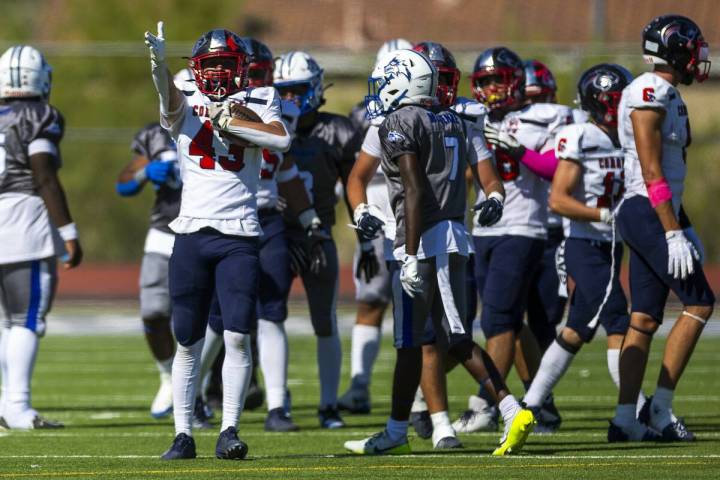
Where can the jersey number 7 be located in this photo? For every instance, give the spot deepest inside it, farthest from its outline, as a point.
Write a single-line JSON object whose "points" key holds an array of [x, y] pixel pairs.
{"points": [[202, 145]]}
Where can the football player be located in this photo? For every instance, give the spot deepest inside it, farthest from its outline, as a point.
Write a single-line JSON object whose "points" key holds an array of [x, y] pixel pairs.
{"points": [[220, 128], [32, 207], [507, 253], [155, 161], [324, 151], [587, 186], [372, 278], [654, 133], [424, 151]]}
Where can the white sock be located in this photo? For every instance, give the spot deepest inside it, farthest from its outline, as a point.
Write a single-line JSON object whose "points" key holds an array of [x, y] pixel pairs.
{"points": [[613, 365], [236, 372], [3, 368], [165, 369], [396, 429], [509, 407], [419, 404], [185, 376], [22, 346], [273, 355], [210, 351], [365, 348], [441, 426], [329, 359], [661, 408], [625, 415], [553, 366]]}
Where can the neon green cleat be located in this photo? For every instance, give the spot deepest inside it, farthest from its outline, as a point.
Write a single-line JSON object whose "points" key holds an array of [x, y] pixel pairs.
{"points": [[515, 436], [379, 444]]}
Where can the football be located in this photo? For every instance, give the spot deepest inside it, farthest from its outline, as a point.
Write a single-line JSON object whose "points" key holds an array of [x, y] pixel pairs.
{"points": [[241, 112]]}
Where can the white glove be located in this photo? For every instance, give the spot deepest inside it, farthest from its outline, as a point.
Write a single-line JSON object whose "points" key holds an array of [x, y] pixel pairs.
{"points": [[691, 235], [156, 44], [219, 114], [680, 254], [409, 278], [606, 216]]}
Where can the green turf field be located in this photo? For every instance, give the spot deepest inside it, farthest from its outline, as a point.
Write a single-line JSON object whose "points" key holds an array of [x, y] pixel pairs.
{"points": [[101, 387]]}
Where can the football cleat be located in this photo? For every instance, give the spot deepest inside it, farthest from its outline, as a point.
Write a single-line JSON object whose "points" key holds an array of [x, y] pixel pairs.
{"points": [[183, 447], [330, 418], [635, 433], [278, 420], [229, 446], [355, 400], [255, 397], [40, 423], [379, 444], [162, 405], [675, 431], [479, 417], [547, 416], [422, 423], [201, 415], [516, 433], [3, 424], [447, 443]]}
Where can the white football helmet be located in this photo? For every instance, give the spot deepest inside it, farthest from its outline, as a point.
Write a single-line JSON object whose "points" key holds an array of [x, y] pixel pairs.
{"points": [[295, 69], [391, 46], [401, 77], [24, 73]]}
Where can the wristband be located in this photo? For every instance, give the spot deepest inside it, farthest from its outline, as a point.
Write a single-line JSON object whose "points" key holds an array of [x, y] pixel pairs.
{"points": [[658, 192], [308, 218], [605, 215], [358, 212], [497, 196], [68, 232]]}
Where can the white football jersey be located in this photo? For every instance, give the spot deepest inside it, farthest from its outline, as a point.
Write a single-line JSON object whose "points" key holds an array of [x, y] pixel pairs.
{"points": [[651, 91], [377, 190], [220, 180], [525, 212], [602, 184]]}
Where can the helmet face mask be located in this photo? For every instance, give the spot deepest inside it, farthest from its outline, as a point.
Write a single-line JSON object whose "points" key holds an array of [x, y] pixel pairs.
{"points": [[498, 79], [260, 66], [600, 90], [677, 41], [219, 64], [298, 77]]}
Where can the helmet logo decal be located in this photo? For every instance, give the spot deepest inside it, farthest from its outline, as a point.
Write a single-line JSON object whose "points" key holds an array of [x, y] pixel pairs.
{"points": [[217, 39], [605, 80], [396, 68]]}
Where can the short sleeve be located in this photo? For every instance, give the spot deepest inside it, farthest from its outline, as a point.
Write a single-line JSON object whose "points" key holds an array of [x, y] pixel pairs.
{"points": [[567, 143], [478, 149], [643, 92], [266, 103], [46, 132], [398, 136], [371, 144]]}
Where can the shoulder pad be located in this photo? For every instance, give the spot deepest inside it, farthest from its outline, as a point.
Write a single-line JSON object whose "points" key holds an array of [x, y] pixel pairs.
{"points": [[648, 90]]}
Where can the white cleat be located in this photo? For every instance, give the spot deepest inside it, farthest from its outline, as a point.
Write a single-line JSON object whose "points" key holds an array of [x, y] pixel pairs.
{"points": [[479, 417], [379, 444], [162, 406]]}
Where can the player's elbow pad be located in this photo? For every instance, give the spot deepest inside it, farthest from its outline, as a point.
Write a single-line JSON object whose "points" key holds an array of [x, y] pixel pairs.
{"points": [[280, 143], [127, 189]]}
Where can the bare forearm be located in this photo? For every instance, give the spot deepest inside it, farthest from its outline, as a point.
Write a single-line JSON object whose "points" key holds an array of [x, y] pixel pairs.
{"points": [[667, 217], [53, 196], [360, 177], [413, 186], [569, 207]]}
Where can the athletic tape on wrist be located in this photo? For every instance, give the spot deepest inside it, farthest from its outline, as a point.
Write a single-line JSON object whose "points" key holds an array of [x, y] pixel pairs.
{"points": [[658, 192], [68, 232], [497, 196]]}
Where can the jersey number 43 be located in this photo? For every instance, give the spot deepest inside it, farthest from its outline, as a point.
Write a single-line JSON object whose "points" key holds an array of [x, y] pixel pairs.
{"points": [[202, 145]]}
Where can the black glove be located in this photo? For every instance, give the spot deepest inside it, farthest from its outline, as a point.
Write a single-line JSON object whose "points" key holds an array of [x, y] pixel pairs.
{"points": [[489, 212], [367, 263], [317, 236], [501, 140], [368, 227], [299, 259]]}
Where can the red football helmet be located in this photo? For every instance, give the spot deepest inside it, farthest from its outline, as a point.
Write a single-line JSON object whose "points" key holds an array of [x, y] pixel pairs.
{"points": [[498, 78], [260, 68], [448, 73], [540, 85], [219, 63]]}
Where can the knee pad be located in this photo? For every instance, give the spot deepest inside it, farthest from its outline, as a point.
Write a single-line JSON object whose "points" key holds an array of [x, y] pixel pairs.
{"points": [[462, 350], [566, 346]]}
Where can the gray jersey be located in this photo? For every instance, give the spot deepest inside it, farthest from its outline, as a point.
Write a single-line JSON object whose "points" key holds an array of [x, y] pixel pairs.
{"points": [[437, 137], [323, 154], [151, 142], [26, 127]]}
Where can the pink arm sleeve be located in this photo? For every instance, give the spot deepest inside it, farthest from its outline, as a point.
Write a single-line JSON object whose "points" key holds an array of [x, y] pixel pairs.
{"points": [[542, 164]]}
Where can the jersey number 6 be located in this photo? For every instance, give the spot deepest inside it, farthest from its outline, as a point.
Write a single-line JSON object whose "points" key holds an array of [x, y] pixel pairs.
{"points": [[202, 145]]}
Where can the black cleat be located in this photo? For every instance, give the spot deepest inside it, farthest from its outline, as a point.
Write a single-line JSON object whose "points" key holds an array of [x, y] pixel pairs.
{"points": [[201, 415], [677, 432], [448, 443], [330, 418], [422, 423], [255, 397], [40, 423], [183, 448], [278, 420], [229, 446], [616, 435]]}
